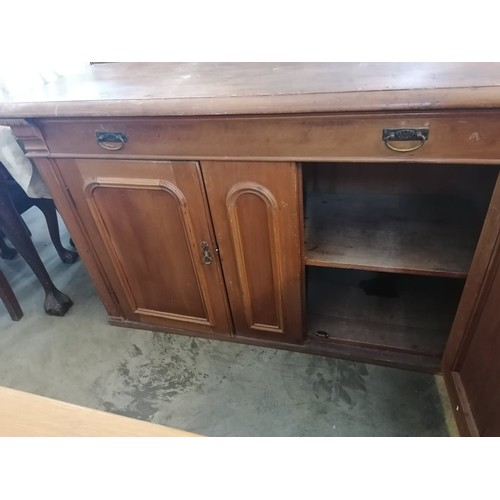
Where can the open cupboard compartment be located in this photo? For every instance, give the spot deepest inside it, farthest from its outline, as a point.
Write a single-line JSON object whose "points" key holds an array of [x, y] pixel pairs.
{"points": [[387, 251]]}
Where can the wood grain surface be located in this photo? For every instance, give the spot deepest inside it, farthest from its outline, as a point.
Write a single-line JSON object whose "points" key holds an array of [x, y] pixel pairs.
{"points": [[414, 234], [246, 124], [149, 89], [468, 137], [148, 220], [255, 212], [28, 415], [470, 362]]}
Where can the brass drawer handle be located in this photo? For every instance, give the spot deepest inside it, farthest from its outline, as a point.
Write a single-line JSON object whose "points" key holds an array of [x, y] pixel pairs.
{"points": [[112, 141], [205, 253], [405, 134]]}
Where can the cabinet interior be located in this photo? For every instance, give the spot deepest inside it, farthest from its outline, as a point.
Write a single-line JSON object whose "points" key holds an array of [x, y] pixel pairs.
{"points": [[388, 248]]}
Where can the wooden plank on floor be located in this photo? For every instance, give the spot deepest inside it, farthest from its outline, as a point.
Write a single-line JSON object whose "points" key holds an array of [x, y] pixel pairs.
{"points": [[28, 415]]}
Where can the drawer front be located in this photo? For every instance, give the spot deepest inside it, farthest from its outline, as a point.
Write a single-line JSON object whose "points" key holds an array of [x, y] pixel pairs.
{"points": [[451, 137]]}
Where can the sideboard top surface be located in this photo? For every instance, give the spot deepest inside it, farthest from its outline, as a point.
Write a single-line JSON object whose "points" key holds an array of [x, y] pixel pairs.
{"points": [[184, 89]]}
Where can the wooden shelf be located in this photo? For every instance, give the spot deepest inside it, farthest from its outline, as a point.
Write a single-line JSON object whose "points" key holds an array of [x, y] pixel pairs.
{"points": [[416, 321], [414, 234]]}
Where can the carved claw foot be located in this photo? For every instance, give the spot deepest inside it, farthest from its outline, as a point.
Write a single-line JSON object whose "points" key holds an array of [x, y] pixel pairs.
{"points": [[57, 303], [8, 253], [68, 256]]}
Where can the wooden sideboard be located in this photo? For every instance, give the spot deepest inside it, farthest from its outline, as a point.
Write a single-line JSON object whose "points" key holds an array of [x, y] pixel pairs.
{"points": [[347, 210]]}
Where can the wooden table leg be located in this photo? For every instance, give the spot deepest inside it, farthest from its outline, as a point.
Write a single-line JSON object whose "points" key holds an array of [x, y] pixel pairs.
{"points": [[9, 299], [48, 209], [6, 252], [56, 302]]}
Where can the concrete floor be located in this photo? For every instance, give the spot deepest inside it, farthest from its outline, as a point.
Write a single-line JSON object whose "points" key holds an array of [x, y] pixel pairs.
{"points": [[209, 387]]}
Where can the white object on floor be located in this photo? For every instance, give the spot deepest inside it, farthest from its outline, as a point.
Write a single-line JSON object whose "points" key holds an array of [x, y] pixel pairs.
{"points": [[20, 167], [16, 77]]}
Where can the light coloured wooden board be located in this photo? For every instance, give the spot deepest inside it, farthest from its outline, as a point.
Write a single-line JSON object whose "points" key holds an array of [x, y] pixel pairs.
{"points": [[415, 234], [28, 415], [135, 89], [417, 321]]}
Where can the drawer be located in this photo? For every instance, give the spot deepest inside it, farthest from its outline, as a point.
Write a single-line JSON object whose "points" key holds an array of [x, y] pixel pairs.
{"points": [[453, 137]]}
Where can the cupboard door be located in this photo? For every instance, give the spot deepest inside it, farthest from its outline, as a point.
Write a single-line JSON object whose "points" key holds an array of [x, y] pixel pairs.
{"points": [[255, 212], [150, 219], [471, 363]]}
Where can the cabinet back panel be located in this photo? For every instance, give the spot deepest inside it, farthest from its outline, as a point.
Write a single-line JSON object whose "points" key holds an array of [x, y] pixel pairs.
{"points": [[394, 312], [472, 182], [410, 218]]}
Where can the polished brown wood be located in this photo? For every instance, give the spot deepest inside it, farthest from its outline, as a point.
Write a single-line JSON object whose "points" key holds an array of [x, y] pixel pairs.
{"points": [[28, 135], [478, 369], [153, 89], [254, 207], [28, 415], [470, 363], [465, 137], [247, 124], [150, 219]]}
